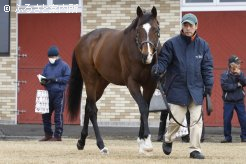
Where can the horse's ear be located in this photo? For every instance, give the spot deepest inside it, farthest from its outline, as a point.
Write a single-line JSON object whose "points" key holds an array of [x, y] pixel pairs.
{"points": [[139, 12], [154, 12]]}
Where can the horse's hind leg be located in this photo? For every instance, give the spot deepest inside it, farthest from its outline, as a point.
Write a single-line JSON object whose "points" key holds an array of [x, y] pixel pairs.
{"points": [[93, 118], [98, 89], [88, 108], [84, 132]]}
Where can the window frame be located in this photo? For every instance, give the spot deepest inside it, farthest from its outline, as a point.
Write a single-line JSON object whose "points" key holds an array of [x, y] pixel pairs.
{"points": [[6, 54], [231, 2], [49, 2], [184, 3], [216, 5], [64, 4], [20, 3]]}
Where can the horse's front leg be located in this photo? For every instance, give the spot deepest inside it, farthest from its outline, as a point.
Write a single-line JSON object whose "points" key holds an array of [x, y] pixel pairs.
{"points": [[144, 139]]}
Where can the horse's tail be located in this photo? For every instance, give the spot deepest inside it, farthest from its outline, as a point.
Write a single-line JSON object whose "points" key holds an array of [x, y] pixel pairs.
{"points": [[75, 87]]}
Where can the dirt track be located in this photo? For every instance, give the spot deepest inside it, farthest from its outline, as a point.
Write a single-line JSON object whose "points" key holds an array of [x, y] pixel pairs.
{"points": [[120, 151]]}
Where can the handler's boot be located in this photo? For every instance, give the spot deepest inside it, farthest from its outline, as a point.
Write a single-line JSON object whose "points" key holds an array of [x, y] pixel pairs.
{"points": [[197, 155], [167, 147], [162, 127], [56, 139], [46, 138]]}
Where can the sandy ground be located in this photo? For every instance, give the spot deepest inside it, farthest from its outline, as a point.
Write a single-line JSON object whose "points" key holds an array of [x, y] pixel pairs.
{"points": [[120, 151]]}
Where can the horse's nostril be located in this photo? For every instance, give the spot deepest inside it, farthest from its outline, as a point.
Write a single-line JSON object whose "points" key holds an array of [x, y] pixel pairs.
{"points": [[144, 58]]}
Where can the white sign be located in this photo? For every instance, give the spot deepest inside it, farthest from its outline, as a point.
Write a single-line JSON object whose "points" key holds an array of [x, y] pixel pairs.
{"points": [[42, 102]]}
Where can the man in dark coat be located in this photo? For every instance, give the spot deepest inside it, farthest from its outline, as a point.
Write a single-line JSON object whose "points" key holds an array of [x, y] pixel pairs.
{"points": [[57, 73], [188, 64], [232, 83]]}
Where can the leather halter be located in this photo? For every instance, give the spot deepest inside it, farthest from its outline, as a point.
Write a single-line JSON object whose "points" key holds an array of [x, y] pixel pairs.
{"points": [[139, 45]]}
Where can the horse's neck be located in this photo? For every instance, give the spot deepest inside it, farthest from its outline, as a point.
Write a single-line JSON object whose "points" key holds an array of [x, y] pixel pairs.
{"points": [[130, 44]]}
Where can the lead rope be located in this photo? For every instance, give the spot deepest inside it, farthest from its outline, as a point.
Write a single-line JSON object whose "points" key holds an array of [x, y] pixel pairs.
{"points": [[168, 108], [159, 86]]}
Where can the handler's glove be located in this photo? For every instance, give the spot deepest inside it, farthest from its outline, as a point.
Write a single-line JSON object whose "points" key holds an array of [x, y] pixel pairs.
{"points": [[155, 72], [44, 81], [52, 80]]}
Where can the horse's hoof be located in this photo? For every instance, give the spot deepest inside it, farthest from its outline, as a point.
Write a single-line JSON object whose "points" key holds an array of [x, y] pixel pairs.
{"points": [[104, 151], [145, 145], [148, 144], [80, 146], [142, 149]]}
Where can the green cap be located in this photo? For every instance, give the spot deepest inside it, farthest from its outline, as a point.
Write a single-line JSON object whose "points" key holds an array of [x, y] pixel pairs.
{"points": [[190, 18]]}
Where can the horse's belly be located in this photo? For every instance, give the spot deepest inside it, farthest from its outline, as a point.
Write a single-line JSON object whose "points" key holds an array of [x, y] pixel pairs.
{"points": [[114, 78]]}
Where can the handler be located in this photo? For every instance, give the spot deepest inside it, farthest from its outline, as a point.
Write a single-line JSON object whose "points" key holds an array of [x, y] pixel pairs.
{"points": [[188, 64]]}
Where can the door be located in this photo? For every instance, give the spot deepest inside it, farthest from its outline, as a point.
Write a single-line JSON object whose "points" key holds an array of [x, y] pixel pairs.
{"points": [[36, 33], [224, 31]]}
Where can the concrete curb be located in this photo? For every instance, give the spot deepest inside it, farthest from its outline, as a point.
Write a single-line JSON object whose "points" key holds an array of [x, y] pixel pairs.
{"points": [[35, 131]]}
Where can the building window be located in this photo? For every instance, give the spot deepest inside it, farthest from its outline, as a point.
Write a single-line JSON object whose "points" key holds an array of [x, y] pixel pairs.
{"points": [[213, 5], [232, 0], [198, 1], [60, 2], [4, 28], [48, 2], [34, 2]]}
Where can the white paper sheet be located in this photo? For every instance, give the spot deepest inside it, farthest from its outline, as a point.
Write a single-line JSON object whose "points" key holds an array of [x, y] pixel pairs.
{"points": [[40, 77]]}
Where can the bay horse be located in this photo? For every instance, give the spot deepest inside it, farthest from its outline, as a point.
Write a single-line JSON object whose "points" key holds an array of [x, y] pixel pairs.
{"points": [[125, 58]]}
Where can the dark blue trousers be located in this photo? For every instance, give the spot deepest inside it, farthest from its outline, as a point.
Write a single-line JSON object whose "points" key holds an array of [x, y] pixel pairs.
{"points": [[228, 114], [56, 105]]}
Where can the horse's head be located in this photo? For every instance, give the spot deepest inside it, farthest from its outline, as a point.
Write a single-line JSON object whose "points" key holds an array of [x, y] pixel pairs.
{"points": [[147, 34]]}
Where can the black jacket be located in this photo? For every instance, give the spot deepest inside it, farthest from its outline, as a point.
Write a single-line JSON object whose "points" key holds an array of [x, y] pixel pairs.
{"points": [[232, 91]]}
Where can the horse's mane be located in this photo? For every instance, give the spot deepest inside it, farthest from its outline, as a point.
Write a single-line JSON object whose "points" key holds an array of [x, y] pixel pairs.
{"points": [[132, 26], [144, 19]]}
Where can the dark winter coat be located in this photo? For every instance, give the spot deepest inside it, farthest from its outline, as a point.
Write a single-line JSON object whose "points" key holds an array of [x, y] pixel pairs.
{"points": [[60, 71], [189, 69], [232, 86]]}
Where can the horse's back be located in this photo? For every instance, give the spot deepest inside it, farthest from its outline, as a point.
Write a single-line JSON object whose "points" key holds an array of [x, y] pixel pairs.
{"points": [[98, 34], [101, 49]]}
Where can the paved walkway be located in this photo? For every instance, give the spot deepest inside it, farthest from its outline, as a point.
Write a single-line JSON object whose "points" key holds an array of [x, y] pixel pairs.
{"points": [[35, 131]]}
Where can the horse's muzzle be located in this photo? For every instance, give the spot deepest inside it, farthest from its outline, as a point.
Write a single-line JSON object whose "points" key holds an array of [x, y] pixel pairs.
{"points": [[147, 59], [144, 59]]}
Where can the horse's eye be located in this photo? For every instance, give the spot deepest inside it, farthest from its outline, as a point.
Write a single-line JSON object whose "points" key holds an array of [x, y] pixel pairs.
{"points": [[158, 33]]}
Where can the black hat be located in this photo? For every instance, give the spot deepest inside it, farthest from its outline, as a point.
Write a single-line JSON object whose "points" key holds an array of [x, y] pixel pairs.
{"points": [[234, 59], [53, 51]]}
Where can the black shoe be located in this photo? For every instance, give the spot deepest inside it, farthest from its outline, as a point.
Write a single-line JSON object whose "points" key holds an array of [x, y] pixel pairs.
{"points": [[196, 155], [186, 139], [243, 140], [226, 141], [167, 147]]}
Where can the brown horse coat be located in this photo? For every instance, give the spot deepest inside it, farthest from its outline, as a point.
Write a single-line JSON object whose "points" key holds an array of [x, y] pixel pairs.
{"points": [[125, 58]]}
